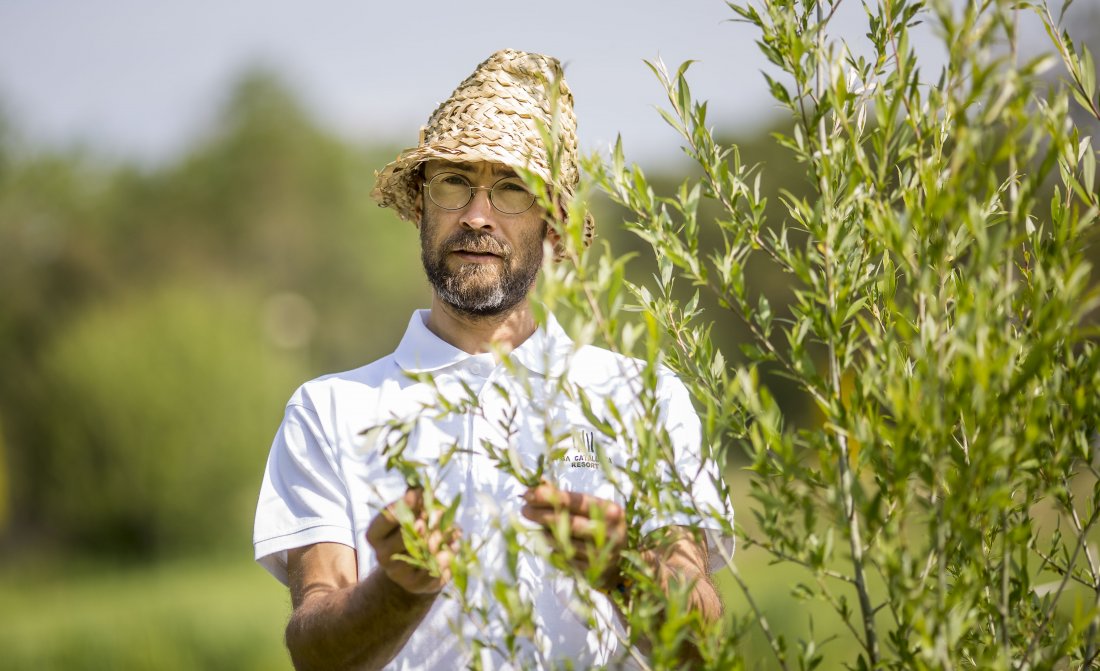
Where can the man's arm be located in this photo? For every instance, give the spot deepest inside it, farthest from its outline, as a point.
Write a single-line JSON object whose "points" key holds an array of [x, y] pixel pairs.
{"points": [[677, 558], [341, 623]]}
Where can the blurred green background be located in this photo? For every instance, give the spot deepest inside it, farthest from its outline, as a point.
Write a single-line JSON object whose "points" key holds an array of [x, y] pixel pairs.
{"points": [[153, 322]]}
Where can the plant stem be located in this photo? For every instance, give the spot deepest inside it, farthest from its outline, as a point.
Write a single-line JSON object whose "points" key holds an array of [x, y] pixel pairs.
{"points": [[1091, 649], [779, 554], [773, 643], [854, 533], [1082, 542]]}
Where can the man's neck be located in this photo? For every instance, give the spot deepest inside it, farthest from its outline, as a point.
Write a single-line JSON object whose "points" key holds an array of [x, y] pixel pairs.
{"points": [[477, 334]]}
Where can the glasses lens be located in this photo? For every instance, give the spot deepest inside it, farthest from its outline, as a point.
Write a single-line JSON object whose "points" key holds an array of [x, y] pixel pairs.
{"points": [[510, 196], [449, 191]]}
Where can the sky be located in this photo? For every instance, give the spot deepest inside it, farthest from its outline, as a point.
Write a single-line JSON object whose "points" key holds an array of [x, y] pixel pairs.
{"points": [[142, 79]]}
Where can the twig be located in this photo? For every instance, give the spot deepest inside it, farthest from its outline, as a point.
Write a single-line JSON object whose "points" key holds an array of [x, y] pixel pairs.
{"points": [[1059, 43], [855, 541], [779, 554], [1091, 649], [1059, 569], [1081, 542], [839, 609], [760, 618]]}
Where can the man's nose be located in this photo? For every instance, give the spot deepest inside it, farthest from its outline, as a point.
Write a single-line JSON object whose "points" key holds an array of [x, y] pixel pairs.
{"points": [[479, 212]]}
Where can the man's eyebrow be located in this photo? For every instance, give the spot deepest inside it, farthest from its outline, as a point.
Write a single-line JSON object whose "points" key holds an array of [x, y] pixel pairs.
{"points": [[502, 171]]}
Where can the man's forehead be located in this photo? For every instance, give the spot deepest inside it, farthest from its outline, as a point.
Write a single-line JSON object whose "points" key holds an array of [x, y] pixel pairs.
{"points": [[474, 167]]}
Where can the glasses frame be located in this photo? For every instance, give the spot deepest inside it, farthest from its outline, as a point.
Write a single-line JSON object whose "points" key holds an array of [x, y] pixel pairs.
{"points": [[428, 188]]}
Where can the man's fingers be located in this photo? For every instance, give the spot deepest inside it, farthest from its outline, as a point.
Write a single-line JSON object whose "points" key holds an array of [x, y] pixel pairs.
{"points": [[543, 495], [385, 536], [545, 502], [386, 523], [546, 495], [414, 580], [385, 548], [440, 541], [579, 527], [382, 526], [435, 539], [414, 499]]}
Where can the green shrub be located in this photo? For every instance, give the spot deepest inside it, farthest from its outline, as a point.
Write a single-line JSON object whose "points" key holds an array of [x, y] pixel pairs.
{"points": [[164, 406], [941, 323]]}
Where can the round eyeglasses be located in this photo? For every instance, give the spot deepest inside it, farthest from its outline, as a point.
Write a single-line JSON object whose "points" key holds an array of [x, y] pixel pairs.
{"points": [[452, 191]]}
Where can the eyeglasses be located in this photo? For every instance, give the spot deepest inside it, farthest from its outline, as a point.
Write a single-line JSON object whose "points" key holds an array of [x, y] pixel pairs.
{"points": [[452, 191]]}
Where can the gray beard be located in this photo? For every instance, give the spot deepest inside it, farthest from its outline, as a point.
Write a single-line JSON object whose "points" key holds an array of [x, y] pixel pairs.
{"points": [[460, 288], [454, 290]]}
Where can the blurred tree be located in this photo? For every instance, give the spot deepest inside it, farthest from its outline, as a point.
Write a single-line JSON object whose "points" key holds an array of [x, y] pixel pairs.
{"points": [[160, 405], [267, 206], [4, 488]]}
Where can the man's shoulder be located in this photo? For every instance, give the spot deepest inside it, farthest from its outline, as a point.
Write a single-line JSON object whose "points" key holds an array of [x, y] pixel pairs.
{"points": [[599, 360], [593, 363], [349, 385]]}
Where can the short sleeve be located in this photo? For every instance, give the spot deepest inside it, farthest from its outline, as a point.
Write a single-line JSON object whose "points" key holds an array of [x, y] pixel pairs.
{"points": [[303, 499], [692, 476]]}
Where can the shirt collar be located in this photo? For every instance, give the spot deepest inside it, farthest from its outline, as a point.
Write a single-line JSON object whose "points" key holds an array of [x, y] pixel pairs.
{"points": [[546, 352]]}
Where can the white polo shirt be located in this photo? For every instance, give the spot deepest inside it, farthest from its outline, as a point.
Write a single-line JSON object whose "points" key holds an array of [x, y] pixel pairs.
{"points": [[326, 479]]}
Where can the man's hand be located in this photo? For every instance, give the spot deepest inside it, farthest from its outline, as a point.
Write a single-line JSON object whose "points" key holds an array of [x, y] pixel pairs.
{"points": [[384, 535], [674, 553], [584, 522]]}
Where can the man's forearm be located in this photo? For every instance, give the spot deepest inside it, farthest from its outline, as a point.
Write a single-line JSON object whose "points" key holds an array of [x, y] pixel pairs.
{"points": [[704, 596], [362, 626], [681, 562], [704, 599], [684, 561]]}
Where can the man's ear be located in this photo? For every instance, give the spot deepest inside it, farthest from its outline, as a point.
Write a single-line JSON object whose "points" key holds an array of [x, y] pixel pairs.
{"points": [[552, 235], [554, 238]]}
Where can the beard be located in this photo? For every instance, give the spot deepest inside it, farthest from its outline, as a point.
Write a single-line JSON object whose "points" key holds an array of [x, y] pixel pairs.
{"points": [[481, 289]]}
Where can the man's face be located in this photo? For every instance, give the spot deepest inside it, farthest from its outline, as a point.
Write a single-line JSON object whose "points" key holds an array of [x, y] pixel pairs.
{"points": [[479, 260]]}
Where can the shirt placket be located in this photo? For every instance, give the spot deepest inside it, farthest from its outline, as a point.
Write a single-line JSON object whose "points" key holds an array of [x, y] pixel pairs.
{"points": [[481, 373]]}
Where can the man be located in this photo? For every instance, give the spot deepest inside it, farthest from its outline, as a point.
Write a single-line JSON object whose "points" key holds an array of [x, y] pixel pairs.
{"points": [[475, 378]]}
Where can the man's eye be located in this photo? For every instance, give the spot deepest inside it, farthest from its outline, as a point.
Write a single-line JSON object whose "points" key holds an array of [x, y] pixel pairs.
{"points": [[455, 180], [512, 186]]}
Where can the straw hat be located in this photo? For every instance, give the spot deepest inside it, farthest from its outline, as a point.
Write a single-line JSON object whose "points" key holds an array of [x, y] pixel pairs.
{"points": [[492, 116]]}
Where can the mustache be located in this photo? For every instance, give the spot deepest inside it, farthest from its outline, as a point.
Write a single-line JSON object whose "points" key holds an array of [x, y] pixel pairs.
{"points": [[479, 243]]}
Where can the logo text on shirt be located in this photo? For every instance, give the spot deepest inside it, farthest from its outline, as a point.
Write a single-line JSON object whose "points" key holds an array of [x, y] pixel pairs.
{"points": [[583, 454]]}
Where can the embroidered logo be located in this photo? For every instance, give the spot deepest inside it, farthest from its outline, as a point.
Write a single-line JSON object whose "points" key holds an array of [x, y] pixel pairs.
{"points": [[583, 453]]}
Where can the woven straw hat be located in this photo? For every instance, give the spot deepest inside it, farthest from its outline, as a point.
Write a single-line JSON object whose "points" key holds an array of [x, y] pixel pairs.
{"points": [[492, 116]]}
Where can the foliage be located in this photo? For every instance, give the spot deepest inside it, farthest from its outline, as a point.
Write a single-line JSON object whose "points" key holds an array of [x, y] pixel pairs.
{"points": [[228, 271], [940, 323], [157, 425]]}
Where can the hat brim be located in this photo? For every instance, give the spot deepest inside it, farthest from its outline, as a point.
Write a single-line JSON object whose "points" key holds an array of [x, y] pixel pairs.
{"points": [[397, 184]]}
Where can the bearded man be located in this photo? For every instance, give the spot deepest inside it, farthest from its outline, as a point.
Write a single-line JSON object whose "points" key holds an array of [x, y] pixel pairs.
{"points": [[334, 518]]}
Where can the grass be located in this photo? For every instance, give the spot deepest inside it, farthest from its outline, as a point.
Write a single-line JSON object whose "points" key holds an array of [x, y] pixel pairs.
{"points": [[213, 614]]}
